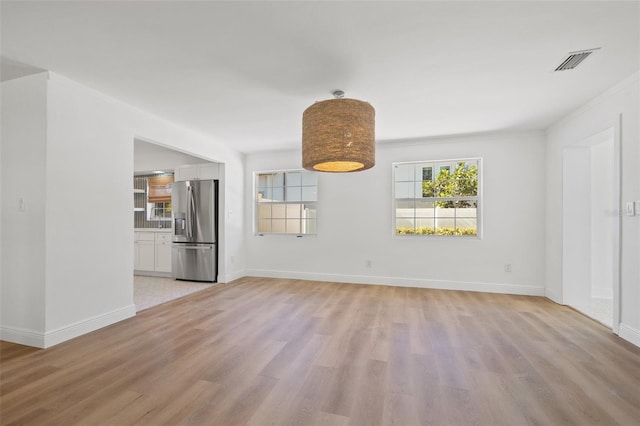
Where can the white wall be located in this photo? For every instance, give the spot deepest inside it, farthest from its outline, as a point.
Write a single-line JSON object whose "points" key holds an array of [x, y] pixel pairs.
{"points": [[62, 277], [86, 273], [618, 105], [576, 190], [24, 132], [232, 213], [88, 238], [355, 222]]}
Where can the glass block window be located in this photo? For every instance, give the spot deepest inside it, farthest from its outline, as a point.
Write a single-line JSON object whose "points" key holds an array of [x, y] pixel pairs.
{"points": [[286, 202], [437, 197]]}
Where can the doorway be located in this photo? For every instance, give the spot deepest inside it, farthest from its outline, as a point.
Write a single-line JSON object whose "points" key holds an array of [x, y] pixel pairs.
{"points": [[152, 225], [591, 227]]}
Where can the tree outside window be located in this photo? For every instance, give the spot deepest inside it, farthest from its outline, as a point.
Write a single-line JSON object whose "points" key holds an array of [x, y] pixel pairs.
{"points": [[445, 204]]}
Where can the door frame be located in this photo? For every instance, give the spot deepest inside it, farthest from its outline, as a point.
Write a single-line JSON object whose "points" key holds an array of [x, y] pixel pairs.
{"points": [[585, 142]]}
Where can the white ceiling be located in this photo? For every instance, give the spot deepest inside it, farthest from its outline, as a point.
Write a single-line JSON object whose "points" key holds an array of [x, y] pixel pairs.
{"points": [[244, 72]]}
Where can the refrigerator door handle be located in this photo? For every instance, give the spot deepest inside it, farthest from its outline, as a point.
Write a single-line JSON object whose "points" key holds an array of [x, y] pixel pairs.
{"points": [[197, 247], [189, 212]]}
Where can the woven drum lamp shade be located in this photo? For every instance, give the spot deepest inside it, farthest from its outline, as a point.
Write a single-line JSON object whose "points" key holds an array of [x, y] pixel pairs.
{"points": [[338, 135]]}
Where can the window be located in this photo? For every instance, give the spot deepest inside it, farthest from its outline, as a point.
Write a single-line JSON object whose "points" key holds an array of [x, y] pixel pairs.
{"points": [[159, 197], [159, 189], [447, 203], [427, 173], [286, 202], [158, 211]]}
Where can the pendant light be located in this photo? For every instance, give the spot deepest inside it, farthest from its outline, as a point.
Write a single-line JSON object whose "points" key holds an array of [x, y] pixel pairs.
{"points": [[338, 135]]}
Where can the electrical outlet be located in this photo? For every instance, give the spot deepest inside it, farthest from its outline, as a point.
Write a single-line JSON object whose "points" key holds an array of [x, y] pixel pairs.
{"points": [[631, 209], [367, 263], [507, 267]]}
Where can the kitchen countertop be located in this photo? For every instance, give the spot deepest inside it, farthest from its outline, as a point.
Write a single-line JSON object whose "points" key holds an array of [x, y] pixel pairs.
{"points": [[152, 229]]}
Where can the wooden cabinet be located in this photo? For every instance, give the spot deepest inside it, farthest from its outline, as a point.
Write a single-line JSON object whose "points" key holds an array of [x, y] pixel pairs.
{"points": [[197, 171], [152, 252]]}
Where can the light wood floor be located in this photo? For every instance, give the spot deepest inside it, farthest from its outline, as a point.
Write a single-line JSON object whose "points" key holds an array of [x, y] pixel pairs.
{"points": [[266, 351]]}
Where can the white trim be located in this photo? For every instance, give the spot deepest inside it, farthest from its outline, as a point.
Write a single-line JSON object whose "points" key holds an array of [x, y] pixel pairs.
{"points": [[22, 336], [617, 256], [503, 288], [478, 198], [233, 276], [602, 293], [615, 126], [68, 332], [141, 272], [629, 334], [255, 203], [62, 334], [551, 295]]}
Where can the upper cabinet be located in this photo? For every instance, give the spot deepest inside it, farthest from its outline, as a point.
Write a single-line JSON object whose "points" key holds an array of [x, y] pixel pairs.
{"points": [[197, 171]]}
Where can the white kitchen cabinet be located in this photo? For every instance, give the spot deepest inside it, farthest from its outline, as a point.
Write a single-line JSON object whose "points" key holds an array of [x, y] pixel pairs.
{"points": [[186, 172], [163, 252], [144, 251], [197, 171], [152, 252], [208, 171]]}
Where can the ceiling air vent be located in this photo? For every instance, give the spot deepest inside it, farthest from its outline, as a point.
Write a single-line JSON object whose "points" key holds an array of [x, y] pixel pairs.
{"points": [[574, 59]]}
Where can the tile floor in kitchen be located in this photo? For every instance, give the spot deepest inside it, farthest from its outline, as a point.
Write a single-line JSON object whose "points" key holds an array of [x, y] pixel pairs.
{"points": [[152, 291]]}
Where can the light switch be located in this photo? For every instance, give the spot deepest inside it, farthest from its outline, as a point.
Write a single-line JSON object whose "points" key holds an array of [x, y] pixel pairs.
{"points": [[631, 210], [637, 208]]}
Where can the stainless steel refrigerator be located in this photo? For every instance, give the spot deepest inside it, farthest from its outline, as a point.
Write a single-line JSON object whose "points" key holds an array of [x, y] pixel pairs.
{"points": [[195, 230]]}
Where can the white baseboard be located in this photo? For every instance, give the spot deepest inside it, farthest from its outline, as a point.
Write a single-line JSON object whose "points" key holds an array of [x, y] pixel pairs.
{"points": [[552, 295], [233, 276], [62, 334], [153, 274], [602, 293], [22, 336], [403, 282], [629, 334], [68, 332]]}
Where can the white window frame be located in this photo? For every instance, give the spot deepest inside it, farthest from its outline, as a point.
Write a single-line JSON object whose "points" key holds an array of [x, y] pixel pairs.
{"points": [[153, 208], [436, 166], [255, 203]]}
